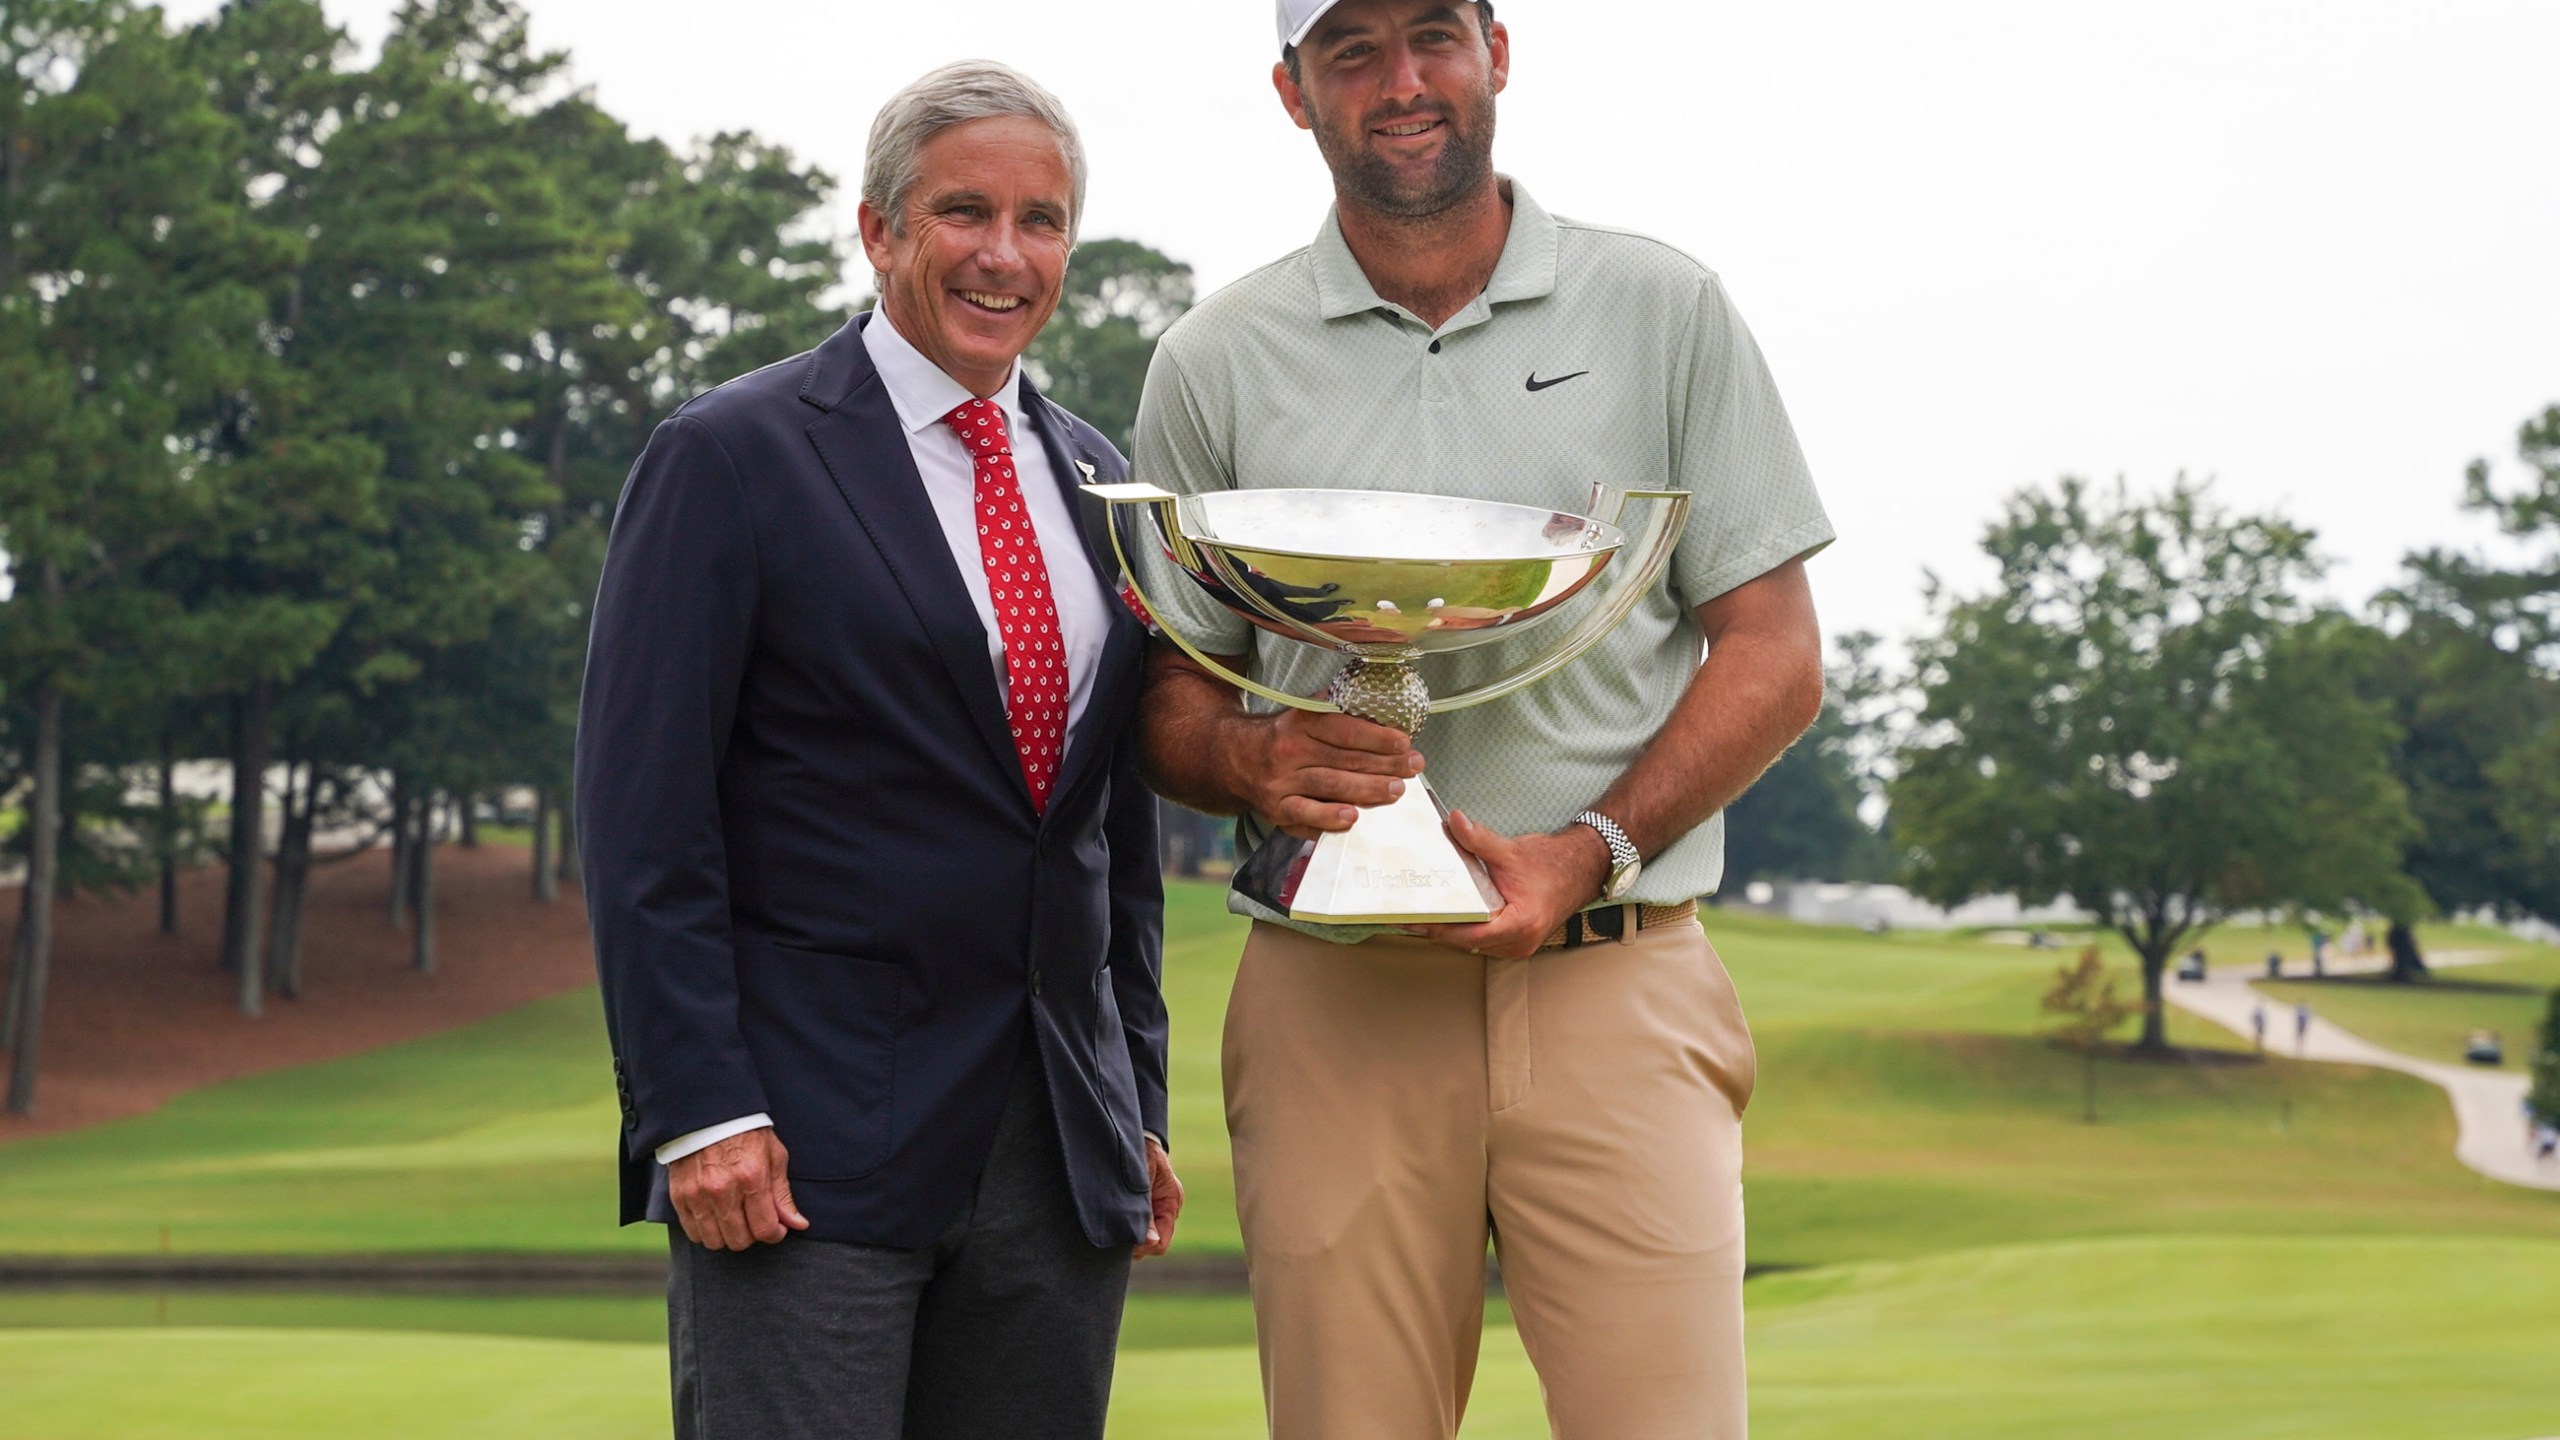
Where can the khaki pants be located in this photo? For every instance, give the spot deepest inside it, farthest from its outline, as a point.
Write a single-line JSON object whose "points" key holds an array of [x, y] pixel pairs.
{"points": [[1395, 1102]]}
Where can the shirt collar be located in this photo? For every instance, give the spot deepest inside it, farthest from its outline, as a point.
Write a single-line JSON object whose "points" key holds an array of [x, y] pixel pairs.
{"points": [[1526, 271], [921, 390]]}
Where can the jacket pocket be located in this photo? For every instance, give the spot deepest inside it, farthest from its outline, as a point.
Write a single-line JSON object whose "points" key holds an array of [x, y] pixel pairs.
{"points": [[824, 1032], [1117, 1082]]}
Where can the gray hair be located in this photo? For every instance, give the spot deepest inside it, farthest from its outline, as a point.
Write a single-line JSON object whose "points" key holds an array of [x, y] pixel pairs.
{"points": [[956, 94]]}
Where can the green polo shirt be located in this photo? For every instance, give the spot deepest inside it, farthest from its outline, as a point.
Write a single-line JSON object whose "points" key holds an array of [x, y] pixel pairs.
{"points": [[1593, 355]]}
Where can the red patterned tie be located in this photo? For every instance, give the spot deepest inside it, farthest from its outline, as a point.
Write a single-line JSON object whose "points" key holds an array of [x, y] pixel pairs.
{"points": [[1035, 658]]}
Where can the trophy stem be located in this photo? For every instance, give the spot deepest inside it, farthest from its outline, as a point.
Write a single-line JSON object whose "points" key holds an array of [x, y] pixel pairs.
{"points": [[1383, 688]]}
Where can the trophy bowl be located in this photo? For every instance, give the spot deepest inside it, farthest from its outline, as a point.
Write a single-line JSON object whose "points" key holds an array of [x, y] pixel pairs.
{"points": [[1383, 578], [1434, 573]]}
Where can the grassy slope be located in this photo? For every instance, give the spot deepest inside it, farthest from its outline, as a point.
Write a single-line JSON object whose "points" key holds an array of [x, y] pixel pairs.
{"points": [[2198, 1338], [496, 1136], [1908, 1123], [2429, 1019], [1905, 1108]]}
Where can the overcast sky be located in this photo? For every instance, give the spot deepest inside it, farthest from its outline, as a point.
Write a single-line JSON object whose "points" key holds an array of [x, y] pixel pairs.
{"points": [[2311, 250]]}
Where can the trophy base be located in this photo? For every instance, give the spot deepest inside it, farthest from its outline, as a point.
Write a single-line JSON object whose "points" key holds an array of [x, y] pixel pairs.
{"points": [[1396, 866]]}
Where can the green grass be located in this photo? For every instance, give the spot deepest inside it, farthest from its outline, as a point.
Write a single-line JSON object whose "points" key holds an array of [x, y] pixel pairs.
{"points": [[2200, 1339], [495, 1136], [629, 1318], [1201, 944], [1862, 1146], [2240, 1248], [2190, 1338], [2429, 1018], [260, 1384], [1153, 1321], [1906, 1106]]}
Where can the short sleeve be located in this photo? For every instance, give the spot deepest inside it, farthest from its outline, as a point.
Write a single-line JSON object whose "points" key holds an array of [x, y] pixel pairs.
{"points": [[1180, 450], [1752, 502]]}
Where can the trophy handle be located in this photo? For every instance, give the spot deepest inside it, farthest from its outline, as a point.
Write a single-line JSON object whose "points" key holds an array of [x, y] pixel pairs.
{"points": [[1653, 551], [1160, 504]]}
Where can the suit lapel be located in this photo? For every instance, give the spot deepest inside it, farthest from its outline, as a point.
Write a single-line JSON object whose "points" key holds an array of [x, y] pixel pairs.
{"points": [[1074, 466], [865, 450]]}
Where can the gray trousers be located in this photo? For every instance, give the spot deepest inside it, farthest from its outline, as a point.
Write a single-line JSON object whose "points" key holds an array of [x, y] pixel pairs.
{"points": [[1004, 1329]]}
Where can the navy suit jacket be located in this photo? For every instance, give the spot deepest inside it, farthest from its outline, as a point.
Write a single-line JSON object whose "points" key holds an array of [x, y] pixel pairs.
{"points": [[815, 879]]}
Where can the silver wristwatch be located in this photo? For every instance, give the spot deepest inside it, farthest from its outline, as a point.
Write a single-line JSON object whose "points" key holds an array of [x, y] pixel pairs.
{"points": [[1624, 862]]}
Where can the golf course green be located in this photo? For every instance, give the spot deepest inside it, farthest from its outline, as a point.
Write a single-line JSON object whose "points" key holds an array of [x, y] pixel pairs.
{"points": [[2102, 1339], [2239, 1248]]}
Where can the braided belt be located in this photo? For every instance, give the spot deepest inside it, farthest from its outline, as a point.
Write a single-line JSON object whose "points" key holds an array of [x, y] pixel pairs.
{"points": [[1616, 922]]}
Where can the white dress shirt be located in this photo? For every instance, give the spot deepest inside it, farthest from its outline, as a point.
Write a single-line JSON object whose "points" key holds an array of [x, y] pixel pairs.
{"points": [[922, 395]]}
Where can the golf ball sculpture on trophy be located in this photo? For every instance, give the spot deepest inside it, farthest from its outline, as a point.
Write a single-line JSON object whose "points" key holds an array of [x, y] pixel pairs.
{"points": [[1384, 578]]}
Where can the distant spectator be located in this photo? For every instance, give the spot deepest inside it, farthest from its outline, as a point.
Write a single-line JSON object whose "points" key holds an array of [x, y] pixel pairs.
{"points": [[2275, 964], [2258, 1025], [2301, 1028], [2319, 951]]}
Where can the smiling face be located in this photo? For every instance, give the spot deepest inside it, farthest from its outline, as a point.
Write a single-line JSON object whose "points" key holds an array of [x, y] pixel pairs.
{"points": [[1399, 94], [975, 263]]}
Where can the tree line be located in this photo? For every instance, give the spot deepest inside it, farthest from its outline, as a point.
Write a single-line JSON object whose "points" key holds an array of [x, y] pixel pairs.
{"points": [[319, 376]]}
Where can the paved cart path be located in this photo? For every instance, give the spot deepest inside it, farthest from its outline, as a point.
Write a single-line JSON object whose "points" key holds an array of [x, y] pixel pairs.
{"points": [[2488, 1105]]}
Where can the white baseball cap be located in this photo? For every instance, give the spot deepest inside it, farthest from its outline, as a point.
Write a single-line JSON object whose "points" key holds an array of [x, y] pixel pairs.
{"points": [[1297, 17]]}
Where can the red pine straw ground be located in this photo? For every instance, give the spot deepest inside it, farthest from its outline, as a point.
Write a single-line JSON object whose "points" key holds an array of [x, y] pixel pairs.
{"points": [[136, 1018]]}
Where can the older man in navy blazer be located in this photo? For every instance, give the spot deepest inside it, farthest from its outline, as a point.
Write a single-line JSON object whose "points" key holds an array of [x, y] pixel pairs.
{"points": [[871, 874]]}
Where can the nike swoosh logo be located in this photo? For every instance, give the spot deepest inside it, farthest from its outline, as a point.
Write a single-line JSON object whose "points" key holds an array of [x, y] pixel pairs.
{"points": [[1536, 384]]}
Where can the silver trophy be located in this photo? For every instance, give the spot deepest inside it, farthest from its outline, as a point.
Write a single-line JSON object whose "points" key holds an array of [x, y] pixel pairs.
{"points": [[1384, 578]]}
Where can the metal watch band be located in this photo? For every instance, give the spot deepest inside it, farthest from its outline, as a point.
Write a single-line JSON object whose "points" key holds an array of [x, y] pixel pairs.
{"points": [[1622, 851]]}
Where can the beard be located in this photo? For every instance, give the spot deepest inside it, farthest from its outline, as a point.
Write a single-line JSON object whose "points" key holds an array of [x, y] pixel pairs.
{"points": [[1366, 177]]}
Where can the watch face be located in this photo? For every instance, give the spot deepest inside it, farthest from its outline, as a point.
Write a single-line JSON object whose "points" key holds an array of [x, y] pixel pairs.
{"points": [[1623, 879]]}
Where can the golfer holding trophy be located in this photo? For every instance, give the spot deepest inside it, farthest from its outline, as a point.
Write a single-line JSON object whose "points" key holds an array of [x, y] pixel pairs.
{"points": [[1562, 473]]}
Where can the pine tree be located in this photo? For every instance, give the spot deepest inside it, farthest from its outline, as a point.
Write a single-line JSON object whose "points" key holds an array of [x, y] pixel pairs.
{"points": [[120, 318]]}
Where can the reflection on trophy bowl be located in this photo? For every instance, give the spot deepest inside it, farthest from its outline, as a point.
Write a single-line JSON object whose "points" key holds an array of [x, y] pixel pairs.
{"points": [[1383, 572], [1383, 578]]}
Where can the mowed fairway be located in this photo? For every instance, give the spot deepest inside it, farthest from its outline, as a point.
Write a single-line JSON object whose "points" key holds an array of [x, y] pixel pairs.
{"points": [[2167, 1340], [2319, 1339], [259, 1384], [2239, 1248], [494, 1137], [1908, 1106]]}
